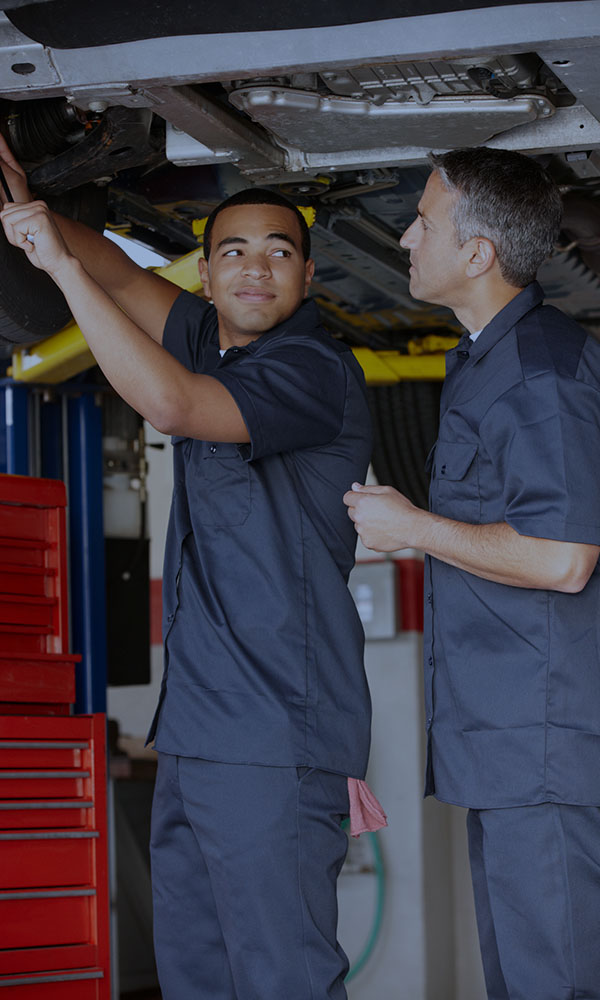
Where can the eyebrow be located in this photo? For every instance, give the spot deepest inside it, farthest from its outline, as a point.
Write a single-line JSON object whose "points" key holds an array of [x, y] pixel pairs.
{"points": [[229, 240]]}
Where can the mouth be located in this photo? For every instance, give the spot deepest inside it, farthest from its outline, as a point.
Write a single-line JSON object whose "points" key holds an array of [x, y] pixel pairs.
{"points": [[252, 294]]}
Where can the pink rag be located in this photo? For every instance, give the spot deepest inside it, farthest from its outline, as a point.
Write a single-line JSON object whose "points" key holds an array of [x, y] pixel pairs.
{"points": [[366, 814]]}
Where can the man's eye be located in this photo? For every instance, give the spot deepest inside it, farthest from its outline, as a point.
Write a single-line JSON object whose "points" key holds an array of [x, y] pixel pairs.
{"points": [[281, 253], [232, 253]]}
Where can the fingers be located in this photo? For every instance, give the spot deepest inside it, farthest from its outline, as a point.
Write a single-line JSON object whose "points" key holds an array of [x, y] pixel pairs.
{"points": [[21, 222], [359, 488], [13, 181], [31, 228]]}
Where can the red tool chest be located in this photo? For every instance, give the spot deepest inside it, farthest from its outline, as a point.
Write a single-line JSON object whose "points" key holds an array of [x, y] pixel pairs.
{"points": [[54, 906], [53, 858], [34, 614]]}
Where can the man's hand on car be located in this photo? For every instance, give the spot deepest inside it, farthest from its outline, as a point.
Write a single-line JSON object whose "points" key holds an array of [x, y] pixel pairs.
{"points": [[30, 227], [14, 176]]}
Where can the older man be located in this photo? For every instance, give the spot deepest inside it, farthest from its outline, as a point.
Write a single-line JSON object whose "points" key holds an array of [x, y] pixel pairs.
{"points": [[512, 672]]}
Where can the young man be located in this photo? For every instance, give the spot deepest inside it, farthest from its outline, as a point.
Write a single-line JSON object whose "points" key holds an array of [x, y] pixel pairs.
{"points": [[264, 709], [512, 674]]}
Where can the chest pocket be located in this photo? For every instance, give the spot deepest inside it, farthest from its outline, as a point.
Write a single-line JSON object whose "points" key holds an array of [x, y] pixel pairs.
{"points": [[218, 483], [455, 481]]}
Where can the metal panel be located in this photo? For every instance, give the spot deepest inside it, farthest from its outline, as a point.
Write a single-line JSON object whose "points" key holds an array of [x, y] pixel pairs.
{"points": [[319, 124], [373, 587]]}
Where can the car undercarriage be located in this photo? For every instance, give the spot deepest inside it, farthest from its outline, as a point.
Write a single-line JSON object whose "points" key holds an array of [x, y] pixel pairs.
{"points": [[145, 118]]}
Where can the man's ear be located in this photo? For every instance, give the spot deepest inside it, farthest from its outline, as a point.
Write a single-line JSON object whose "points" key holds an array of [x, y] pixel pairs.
{"points": [[204, 276], [309, 270], [482, 256]]}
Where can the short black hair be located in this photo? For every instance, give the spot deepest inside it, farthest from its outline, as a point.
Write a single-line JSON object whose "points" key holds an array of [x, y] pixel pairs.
{"points": [[257, 196], [507, 197]]}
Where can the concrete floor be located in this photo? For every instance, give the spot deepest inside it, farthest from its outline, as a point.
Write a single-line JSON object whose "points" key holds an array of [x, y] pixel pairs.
{"points": [[142, 995]]}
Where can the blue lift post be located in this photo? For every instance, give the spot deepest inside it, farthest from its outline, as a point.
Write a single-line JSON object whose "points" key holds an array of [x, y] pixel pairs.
{"points": [[52, 462], [88, 595]]}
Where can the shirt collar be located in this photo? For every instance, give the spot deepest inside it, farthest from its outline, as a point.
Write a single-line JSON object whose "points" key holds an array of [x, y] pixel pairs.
{"points": [[304, 320], [530, 297]]}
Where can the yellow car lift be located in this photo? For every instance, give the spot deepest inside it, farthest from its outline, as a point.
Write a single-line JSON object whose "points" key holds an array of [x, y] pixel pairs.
{"points": [[66, 353]]}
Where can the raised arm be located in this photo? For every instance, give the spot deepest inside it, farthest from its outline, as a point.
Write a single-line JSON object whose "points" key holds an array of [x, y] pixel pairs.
{"points": [[386, 521], [146, 297], [171, 398]]}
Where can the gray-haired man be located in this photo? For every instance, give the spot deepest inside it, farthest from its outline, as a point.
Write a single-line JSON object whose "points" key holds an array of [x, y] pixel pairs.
{"points": [[512, 674]]}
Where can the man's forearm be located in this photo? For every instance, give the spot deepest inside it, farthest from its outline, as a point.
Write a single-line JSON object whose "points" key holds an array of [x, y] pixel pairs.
{"points": [[152, 381], [144, 296], [135, 366], [386, 520], [499, 553]]}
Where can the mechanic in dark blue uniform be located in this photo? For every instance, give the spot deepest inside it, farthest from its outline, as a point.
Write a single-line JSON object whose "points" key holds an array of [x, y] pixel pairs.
{"points": [[512, 669], [263, 663], [264, 714]]}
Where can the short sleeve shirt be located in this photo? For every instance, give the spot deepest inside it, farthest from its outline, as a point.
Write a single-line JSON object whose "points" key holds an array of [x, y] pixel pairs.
{"points": [[512, 675], [263, 644]]}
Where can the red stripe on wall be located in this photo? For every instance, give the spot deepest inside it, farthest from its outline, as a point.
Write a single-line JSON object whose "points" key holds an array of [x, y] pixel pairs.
{"points": [[410, 593], [156, 612]]}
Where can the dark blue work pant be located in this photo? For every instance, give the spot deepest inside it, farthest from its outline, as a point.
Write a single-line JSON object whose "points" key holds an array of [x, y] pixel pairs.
{"points": [[245, 861], [536, 879]]}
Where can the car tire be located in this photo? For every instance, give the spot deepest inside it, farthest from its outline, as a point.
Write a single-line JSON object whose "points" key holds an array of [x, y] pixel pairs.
{"points": [[31, 305], [405, 423]]}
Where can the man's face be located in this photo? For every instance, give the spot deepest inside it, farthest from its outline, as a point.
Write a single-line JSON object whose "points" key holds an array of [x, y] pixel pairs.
{"points": [[256, 274], [437, 272]]}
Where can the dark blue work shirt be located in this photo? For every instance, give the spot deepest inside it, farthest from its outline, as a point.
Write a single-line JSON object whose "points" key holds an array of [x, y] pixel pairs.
{"points": [[512, 675], [263, 643]]}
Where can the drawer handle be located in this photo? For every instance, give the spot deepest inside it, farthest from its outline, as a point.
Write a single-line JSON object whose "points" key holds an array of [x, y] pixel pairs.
{"points": [[58, 978], [49, 894], [29, 775], [52, 835], [75, 804], [41, 745]]}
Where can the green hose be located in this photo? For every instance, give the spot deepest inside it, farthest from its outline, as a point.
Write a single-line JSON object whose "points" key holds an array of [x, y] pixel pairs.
{"points": [[365, 954]]}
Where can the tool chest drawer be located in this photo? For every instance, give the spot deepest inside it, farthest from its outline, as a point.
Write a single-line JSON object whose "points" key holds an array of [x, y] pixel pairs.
{"points": [[20, 578], [61, 814], [79, 984], [42, 678], [28, 754], [47, 858], [43, 784], [50, 917]]}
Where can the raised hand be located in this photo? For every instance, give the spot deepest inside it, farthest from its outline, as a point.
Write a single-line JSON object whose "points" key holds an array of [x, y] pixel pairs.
{"points": [[30, 227], [14, 176]]}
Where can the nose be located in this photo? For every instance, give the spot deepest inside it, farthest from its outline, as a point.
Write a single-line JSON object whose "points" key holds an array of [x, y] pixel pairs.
{"points": [[256, 266], [408, 238]]}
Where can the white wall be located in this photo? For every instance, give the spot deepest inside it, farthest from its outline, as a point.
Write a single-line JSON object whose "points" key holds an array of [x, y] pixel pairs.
{"points": [[133, 706], [427, 949]]}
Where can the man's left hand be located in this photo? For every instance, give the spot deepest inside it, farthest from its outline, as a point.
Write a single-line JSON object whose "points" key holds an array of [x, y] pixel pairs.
{"points": [[383, 517]]}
